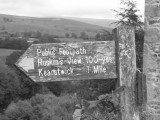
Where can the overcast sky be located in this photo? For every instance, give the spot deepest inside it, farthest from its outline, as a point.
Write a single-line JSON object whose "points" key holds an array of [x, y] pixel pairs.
{"points": [[64, 8]]}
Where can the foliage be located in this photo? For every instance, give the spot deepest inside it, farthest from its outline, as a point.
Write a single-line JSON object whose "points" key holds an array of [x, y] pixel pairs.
{"points": [[3, 117], [18, 44], [14, 86], [106, 107], [98, 36], [5, 19], [74, 35], [66, 107], [84, 36], [128, 14], [29, 88], [67, 35], [26, 87], [88, 89], [105, 36], [42, 107], [13, 57], [31, 34], [46, 38], [54, 87], [9, 86], [3, 28], [19, 111]]}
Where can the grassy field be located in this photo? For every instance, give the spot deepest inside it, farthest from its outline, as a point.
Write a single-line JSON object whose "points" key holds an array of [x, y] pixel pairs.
{"points": [[53, 26]]}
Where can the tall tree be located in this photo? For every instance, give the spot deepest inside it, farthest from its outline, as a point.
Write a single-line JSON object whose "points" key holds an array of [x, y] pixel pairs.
{"points": [[67, 35], [84, 36], [74, 35], [128, 14]]}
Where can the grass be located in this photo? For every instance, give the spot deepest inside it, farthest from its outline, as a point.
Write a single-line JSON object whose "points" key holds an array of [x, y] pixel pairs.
{"points": [[51, 26]]}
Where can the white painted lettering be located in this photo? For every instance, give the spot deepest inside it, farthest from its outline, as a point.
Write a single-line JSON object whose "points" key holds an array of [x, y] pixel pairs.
{"points": [[96, 69], [99, 69], [45, 52], [40, 72], [75, 61], [39, 51], [72, 52]]}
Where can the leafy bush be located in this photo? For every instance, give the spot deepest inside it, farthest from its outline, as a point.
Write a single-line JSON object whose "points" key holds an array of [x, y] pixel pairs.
{"points": [[37, 100], [9, 86], [14, 44], [42, 107], [3, 117], [13, 57], [65, 107], [19, 111]]}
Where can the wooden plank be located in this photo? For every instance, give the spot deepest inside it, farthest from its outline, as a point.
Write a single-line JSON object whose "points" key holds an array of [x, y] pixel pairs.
{"points": [[69, 61]]}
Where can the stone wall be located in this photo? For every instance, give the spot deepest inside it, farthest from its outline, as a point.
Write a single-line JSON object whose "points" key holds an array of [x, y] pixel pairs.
{"points": [[151, 63]]}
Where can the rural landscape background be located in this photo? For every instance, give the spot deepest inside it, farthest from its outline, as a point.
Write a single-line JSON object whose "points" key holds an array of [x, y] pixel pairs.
{"points": [[20, 97], [23, 99]]}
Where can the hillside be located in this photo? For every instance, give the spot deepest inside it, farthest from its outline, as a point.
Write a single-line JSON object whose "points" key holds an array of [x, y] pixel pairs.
{"points": [[54, 26], [107, 23]]}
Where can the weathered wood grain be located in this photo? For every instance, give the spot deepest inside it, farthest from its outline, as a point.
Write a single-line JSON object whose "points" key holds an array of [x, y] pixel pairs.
{"points": [[69, 61], [126, 57]]}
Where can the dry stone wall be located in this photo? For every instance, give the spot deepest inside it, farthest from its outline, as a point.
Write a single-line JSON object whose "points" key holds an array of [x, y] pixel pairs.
{"points": [[151, 63]]}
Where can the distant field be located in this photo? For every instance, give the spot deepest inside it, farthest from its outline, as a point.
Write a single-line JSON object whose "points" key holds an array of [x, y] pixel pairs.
{"points": [[52, 26], [73, 40], [70, 40]]}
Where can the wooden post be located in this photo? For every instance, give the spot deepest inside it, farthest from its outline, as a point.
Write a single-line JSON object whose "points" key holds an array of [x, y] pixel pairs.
{"points": [[126, 65]]}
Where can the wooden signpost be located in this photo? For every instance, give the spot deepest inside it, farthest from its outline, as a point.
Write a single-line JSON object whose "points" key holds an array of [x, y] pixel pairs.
{"points": [[69, 61], [88, 60]]}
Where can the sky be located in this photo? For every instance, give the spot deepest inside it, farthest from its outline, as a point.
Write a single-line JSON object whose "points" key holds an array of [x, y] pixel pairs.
{"points": [[98, 9]]}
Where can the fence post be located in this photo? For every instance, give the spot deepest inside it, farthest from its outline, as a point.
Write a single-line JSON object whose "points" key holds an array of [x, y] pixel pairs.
{"points": [[124, 37]]}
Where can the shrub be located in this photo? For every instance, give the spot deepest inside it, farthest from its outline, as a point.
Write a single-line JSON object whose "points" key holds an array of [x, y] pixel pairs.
{"points": [[13, 57], [65, 108], [9, 86], [3, 117], [37, 100], [14, 44], [19, 111], [42, 107]]}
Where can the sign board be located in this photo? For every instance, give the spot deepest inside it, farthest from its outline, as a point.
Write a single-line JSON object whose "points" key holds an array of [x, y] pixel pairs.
{"points": [[69, 61]]}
